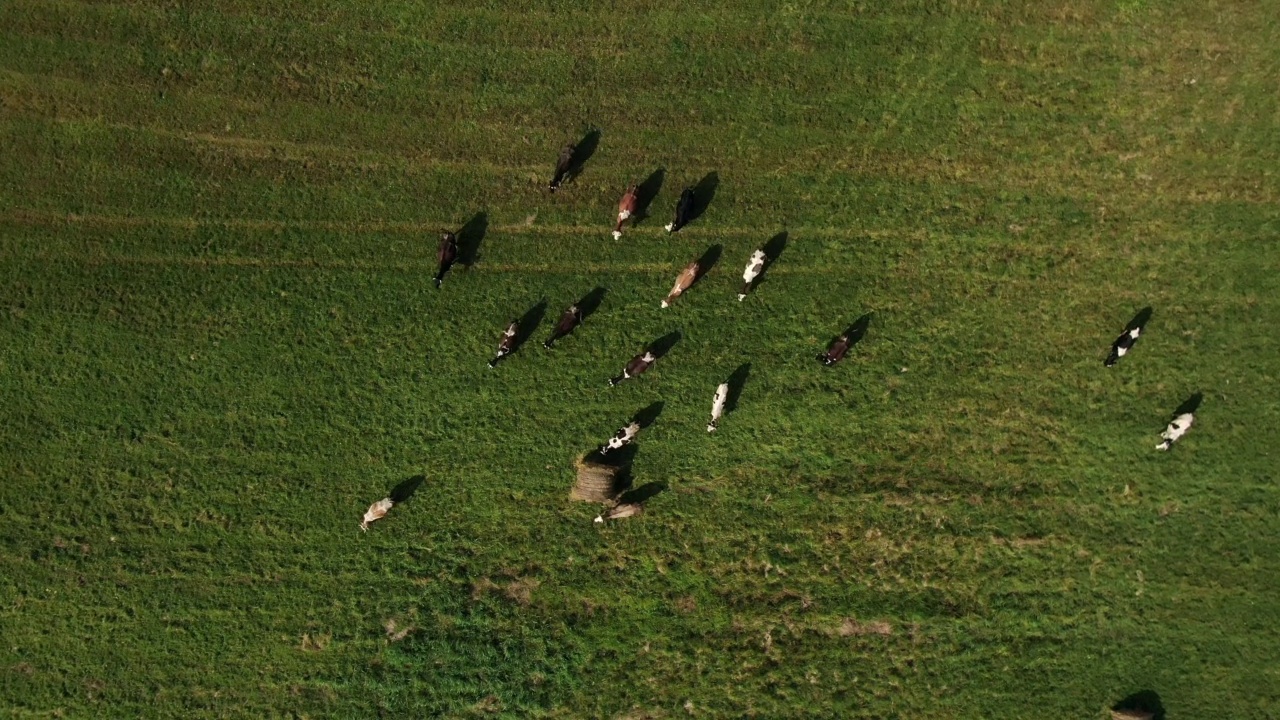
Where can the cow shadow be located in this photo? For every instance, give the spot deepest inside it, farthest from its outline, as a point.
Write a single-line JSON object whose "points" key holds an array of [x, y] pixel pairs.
{"points": [[591, 302], [642, 493], [857, 330], [663, 345], [582, 152], [1190, 405], [737, 381], [646, 192], [709, 260], [528, 323], [1146, 701], [703, 193], [469, 238], [645, 416], [406, 488], [1140, 320]]}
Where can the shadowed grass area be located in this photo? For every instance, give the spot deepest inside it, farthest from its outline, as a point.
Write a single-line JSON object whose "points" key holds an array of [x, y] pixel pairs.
{"points": [[219, 342]]}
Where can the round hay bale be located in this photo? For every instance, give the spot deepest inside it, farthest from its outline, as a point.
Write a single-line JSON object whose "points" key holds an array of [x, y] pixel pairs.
{"points": [[596, 482]]}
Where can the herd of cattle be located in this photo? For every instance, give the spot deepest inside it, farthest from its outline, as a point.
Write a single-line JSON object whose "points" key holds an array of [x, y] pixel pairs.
{"points": [[447, 255]]}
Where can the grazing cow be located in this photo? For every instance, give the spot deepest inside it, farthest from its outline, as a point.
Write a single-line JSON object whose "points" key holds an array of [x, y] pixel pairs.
{"points": [[619, 511], [637, 366], [624, 436], [717, 406], [1122, 345], [755, 266], [626, 206], [835, 353], [376, 511], [571, 319], [507, 343], [562, 167], [447, 254], [683, 208], [1177, 428], [683, 281]]}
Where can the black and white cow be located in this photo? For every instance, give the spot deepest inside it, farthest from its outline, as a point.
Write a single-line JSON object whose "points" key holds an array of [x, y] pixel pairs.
{"points": [[683, 209], [507, 343], [755, 266], [624, 436], [717, 406], [637, 366], [446, 254], [571, 319], [1122, 345], [1177, 428]]}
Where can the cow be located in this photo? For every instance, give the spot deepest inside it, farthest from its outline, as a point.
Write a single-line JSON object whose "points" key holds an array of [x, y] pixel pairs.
{"points": [[684, 208], [717, 406], [755, 266], [1177, 428], [375, 512], [1122, 345], [571, 319], [507, 343], [686, 278], [636, 366], [619, 511], [624, 436], [626, 206], [835, 353], [447, 253], [563, 164]]}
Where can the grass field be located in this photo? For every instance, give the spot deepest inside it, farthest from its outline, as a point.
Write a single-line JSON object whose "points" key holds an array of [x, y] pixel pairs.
{"points": [[219, 343]]}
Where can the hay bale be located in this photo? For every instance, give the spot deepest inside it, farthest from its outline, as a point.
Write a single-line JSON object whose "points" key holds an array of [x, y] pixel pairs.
{"points": [[597, 482]]}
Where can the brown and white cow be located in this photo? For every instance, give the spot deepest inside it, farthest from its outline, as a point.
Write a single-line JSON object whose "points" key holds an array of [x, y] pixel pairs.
{"points": [[571, 319], [636, 366], [626, 207], [507, 343], [684, 280]]}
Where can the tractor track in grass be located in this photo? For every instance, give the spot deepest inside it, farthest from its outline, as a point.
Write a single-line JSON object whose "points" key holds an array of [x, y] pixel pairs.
{"points": [[44, 218]]}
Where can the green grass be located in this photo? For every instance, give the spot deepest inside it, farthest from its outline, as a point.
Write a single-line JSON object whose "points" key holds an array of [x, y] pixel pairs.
{"points": [[219, 343]]}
